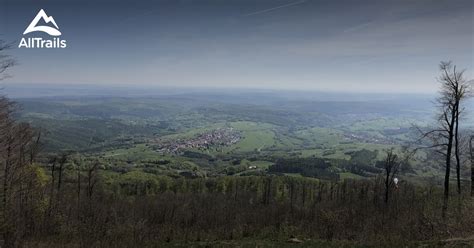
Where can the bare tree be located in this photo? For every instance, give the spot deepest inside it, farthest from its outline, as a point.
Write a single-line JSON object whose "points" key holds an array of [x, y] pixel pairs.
{"points": [[445, 137], [391, 166], [461, 92], [6, 61], [395, 162]]}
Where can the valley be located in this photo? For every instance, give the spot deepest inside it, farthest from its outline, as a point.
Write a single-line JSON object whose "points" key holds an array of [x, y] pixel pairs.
{"points": [[201, 135]]}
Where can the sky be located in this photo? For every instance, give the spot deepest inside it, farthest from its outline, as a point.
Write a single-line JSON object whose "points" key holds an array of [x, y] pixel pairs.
{"points": [[322, 45]]}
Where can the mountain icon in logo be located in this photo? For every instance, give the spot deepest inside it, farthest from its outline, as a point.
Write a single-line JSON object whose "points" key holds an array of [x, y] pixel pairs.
{"points": [[47, 19]]}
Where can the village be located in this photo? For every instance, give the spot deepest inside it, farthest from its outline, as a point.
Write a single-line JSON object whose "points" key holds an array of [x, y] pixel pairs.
{"points": [[366, 138], [217, 137]]}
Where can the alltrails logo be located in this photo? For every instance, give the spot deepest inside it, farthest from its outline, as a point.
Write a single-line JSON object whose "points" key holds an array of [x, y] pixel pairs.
{"points": [[38, 42]]}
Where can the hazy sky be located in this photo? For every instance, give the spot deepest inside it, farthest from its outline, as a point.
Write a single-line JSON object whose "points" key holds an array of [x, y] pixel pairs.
{"points": [[353, 45]]}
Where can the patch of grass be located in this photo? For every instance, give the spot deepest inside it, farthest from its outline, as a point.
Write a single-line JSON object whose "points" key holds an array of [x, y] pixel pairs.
{"points": [[349, 175], [136, 153]]}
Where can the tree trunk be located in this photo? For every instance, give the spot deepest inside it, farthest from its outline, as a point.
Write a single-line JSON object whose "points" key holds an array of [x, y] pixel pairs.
{"points": [[472, 165], [456, 144], [387, 185], [448, 163]]}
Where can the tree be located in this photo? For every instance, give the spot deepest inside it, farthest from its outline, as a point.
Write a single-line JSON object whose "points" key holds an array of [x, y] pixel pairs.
{"points": [[391, 166], [462, 91], [6, 61], [471, 153], [92, 179], [445, 137], [453, 90]]}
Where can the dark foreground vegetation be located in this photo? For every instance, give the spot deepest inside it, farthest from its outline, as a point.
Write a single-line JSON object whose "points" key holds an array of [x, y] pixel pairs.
{"points": [[158, 210]]}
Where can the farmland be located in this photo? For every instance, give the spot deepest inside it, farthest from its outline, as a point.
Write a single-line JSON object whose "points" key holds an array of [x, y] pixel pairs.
{"points": [[205, 134]]}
